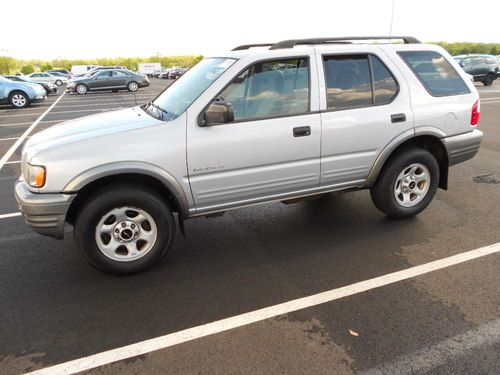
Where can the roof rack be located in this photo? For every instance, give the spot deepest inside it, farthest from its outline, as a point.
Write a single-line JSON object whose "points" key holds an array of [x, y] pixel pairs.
{"points": [[247, 46], [340, 40], [293, 42]]}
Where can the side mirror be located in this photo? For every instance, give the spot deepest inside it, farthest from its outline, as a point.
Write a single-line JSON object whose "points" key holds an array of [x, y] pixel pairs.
{"points": [[219, 112], [461, 64]]}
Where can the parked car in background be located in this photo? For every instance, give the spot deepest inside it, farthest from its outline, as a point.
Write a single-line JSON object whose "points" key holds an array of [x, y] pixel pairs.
{"points": [[66, 72], [20, 94], [176, 72], [97, 68], [47, 77], [108, 79], [484, 68], [161, 71], [59, 74], [165, 74], [49, 88]]}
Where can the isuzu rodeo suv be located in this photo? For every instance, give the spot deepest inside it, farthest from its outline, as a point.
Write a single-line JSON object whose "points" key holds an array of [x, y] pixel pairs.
{"points": [[261, 123]]}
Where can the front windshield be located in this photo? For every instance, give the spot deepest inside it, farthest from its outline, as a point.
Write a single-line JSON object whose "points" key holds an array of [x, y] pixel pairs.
{"points": [[178, 97]]}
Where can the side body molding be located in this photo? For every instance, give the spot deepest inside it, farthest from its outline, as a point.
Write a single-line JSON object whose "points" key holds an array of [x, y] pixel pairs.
{"points": [[403, 137], [133, 167]]}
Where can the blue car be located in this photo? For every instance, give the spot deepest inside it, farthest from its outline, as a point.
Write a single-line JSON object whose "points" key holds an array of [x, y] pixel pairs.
{"points": [[20, 94]]}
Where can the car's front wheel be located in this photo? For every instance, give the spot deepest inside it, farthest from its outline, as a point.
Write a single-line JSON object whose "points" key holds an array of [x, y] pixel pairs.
{"points": [[19, 99], [133, 86], [407, 183], [81, 89], [59, 82], [125, 229]]}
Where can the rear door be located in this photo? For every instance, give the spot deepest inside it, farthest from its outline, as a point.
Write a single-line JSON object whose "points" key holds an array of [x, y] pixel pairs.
{"points": [[119, 79], [366, 104]]}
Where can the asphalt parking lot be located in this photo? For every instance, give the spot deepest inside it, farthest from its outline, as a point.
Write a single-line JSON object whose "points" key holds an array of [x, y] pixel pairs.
{"points": [[55, 308]]}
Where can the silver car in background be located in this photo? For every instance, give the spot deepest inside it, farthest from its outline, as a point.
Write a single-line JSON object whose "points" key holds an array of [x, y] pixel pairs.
{"points": [[20, 94]]}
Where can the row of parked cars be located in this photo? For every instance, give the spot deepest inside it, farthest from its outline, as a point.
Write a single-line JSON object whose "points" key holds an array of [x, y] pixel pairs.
{"points": [[170, 73], [483, 68]]}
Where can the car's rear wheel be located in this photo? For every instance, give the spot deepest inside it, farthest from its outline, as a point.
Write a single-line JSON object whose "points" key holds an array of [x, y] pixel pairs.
{"points": [[407, 183], [19, 99], [125, 229], [59, 82], [133, 86], [488, 80], [81, 89]]}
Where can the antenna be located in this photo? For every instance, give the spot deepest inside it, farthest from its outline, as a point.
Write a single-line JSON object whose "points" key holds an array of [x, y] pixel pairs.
{"points": [[392, 18]]}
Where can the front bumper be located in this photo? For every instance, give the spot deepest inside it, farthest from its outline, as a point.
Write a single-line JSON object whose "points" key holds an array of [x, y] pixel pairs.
{"points": [[462, 147], [45, 213]]}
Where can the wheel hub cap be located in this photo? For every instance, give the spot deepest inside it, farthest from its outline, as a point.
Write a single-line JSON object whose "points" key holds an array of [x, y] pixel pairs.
{"points": [[126, 233], [412, 185]]}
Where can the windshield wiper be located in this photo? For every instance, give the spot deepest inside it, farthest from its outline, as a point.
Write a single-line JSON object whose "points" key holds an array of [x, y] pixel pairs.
{"points": [[158, 108]]}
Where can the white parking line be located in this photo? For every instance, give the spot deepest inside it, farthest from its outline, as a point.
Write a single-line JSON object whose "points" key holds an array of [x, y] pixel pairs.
{"points": [[13, 162], [87, 110], [490, 102], [9, 139], [14, 214], [22, 114], [20, 140], [26, 123], [162, 342]]}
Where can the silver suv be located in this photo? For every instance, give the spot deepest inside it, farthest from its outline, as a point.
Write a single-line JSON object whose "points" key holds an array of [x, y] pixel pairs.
{"points": [[258, 124]]}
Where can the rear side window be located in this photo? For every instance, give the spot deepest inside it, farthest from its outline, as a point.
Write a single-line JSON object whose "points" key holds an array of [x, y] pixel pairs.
{"points": [[354, 81], [435, 72]]}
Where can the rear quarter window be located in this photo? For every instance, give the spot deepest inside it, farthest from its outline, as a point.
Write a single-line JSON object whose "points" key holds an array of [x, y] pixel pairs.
{"points": [[435, 72]]}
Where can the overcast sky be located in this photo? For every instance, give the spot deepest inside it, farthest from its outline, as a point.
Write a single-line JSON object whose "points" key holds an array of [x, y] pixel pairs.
{"points": [[87, 29]]}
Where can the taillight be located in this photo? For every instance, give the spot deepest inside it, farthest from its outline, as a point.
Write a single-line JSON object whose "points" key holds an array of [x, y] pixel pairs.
{"points": [[476, 114]]}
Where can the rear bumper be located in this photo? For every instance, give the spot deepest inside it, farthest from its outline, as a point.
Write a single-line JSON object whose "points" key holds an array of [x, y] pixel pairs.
{"points": [[44, 213], [463, 147]]}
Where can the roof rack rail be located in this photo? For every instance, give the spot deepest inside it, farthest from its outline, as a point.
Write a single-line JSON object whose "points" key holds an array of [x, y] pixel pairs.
{"points": [[293, 42], [247, 46]]}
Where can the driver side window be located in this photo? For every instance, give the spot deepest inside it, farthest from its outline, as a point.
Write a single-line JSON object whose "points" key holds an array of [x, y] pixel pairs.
{"points": [[268, 89]]}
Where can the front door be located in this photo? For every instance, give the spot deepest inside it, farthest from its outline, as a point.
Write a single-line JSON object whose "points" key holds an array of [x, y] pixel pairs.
{"points": [[271, 148], [101, 80]]}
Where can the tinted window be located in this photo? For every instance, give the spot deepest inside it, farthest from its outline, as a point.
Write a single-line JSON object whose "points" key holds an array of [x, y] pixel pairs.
{"points": [[435, 73], [385, 86], [348, 81], [102, 75], [270, 88], [117, 73]]}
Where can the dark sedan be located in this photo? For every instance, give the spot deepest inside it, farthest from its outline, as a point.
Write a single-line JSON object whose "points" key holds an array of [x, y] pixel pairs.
{"points": [[50, 88], [110, 80]]}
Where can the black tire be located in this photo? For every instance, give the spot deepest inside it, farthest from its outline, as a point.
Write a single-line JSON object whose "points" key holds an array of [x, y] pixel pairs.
{"points": [[19, 99], [59, 82], [81, 89], [488, 80], [115, 196], [133, 86], [383, 192]]}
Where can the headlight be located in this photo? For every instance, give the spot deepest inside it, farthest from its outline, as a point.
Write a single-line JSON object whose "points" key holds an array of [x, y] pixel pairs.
{"points": [[35, 175], [71, 84]]}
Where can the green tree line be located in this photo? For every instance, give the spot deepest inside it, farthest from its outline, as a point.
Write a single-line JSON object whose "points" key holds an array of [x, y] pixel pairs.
{"points": [[10, 65], [460, 48]]}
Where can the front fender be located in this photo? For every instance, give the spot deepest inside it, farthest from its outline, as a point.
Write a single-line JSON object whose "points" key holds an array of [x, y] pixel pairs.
{"points": [[131, 167]]}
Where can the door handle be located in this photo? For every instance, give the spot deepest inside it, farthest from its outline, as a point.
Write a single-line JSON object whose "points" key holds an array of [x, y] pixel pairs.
{"points": [[302, 131], [398, 117]]}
